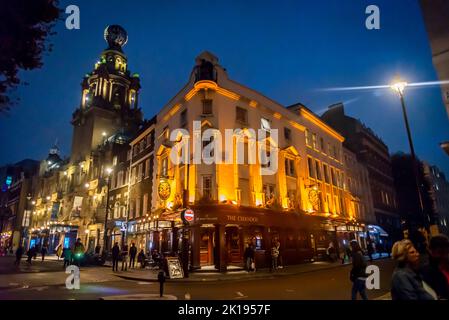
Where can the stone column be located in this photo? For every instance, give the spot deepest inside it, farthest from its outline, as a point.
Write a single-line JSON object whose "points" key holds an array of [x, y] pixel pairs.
{"points": [[220, 248], [195, 243]]}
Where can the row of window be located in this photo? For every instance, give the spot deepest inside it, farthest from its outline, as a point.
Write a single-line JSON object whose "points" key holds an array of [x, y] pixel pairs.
{"points": [[312, 142], [139, 207], [143, 144], [140, 171], [318, 172]]}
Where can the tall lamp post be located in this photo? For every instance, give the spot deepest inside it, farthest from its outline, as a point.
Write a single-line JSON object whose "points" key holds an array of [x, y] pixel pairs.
{"points": [[399, 86], [105, 236]]}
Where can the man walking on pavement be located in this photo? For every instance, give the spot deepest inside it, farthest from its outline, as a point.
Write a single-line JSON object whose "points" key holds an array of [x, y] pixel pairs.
{"points": [[115, 255], [132, 255], [125, 257], [19, 253], [44, 251], [358, 272]]}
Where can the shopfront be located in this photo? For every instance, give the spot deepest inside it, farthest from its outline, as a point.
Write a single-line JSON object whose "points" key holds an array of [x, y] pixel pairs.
{"points": [[219, 235]]}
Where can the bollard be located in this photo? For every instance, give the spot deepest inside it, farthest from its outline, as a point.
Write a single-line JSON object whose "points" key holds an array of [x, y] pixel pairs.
{"points": [[161, 279]]}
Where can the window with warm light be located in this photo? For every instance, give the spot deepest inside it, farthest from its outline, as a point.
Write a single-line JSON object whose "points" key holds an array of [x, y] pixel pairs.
{"points": [[241, 115], [207, 106], [311, 168]]}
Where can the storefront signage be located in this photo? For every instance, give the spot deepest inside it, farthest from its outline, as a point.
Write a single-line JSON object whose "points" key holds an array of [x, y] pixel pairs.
{"points": [[242, 219], [174, 268], [164, 190]]}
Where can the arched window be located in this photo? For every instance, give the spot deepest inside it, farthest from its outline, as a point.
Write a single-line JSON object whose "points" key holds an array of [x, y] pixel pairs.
{"points": [[116, 210]]}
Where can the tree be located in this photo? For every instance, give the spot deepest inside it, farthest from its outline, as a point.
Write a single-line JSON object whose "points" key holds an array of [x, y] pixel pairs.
{"points": [[24, 28]]}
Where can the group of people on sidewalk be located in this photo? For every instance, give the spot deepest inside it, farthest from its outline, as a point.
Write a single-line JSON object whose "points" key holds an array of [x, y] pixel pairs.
{"points": [[413, 278], [123, 253], [31, 253], [275, 255]]}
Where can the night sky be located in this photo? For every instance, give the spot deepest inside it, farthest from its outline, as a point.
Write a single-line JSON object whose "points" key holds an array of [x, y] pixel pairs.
{"points": [[287, 50]]}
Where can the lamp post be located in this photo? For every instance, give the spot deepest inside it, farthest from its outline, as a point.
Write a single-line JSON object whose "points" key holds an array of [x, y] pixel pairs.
{"points": [[105, 236], [399, 86]]}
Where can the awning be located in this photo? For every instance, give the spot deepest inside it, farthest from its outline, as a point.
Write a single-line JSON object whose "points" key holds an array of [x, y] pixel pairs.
{"points": [[377, 229]]}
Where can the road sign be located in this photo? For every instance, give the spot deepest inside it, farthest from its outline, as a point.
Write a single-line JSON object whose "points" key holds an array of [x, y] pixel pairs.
{"points": [[188, 216]]}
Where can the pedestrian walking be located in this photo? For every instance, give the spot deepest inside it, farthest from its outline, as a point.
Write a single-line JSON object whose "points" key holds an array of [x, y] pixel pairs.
{"points": [[370, 250], [331, 252], [67, 254], [433, 273], [247, 257], [274, 257], [141, 258], [132, 255], [280, 264], [35, 251], [125, 257], [346, 254], [358, 272], [97, 249], [406, 284], [78, 252], [19, 253], [59, 251], [30, 254], [115, 256], [43, 251]]}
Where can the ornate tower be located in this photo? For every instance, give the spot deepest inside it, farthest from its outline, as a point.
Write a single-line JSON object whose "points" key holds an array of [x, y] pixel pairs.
{"points": [[109, 100]]}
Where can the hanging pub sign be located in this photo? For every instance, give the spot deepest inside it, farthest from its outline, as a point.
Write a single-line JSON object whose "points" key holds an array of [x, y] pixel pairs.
{"points": [[187, 216], [164, 189]]}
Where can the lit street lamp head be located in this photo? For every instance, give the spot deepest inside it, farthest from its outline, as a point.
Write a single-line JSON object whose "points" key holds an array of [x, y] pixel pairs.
{"points": [[86, 185], [108, 171], [399, 86]]}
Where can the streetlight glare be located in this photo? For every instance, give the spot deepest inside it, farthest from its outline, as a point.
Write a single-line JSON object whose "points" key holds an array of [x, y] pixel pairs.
{"points": [[399, 86], [86, 185], [108, 170]]}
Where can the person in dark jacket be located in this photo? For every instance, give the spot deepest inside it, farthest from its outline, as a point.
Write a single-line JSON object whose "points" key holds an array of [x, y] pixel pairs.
{"points": [[115, 256], [406, 284], [125, 257], [249, 257], [132, 255], [67, 254], [432, 273], [43, 251], [30, 254], [141, 258], [19, 253], [358, 272]]}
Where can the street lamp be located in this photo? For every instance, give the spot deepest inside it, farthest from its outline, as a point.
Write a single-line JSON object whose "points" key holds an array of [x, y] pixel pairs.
{"points": [[399, 87], [105, 236]]}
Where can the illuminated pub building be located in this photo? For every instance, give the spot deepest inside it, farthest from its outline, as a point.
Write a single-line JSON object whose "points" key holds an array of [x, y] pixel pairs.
{"points": [[304, 204]]}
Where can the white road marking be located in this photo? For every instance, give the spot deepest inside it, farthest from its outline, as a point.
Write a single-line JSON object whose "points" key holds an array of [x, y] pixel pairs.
{"points": [[240, 295], [143, 283], [13, 284], [41, 288]]}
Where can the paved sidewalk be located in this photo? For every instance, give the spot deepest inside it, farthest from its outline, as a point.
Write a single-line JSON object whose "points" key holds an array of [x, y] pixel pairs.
{"points": [[149, 275]]}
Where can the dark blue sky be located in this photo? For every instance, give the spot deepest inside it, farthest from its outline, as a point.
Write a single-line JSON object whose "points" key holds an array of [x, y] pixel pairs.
{"points": [[287, 50]]}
